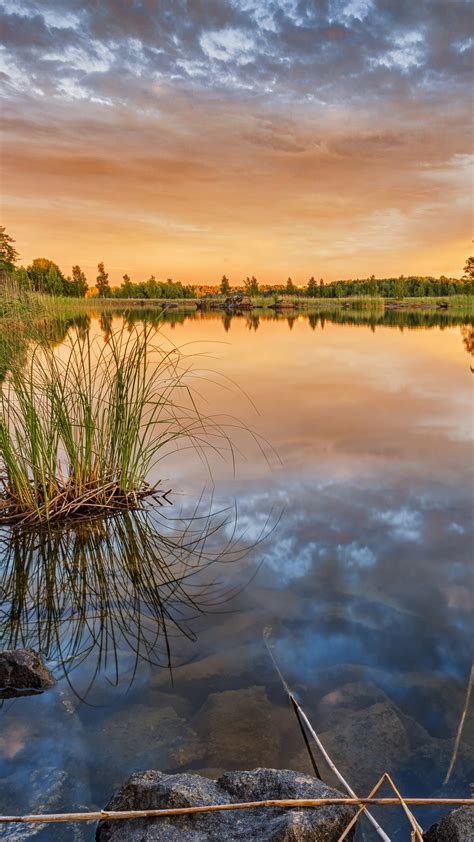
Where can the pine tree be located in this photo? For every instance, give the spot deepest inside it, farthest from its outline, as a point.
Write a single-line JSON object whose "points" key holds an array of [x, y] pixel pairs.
{"points": [[312, 288], [251, 286], [224, 287], [102, 283], [469, 269], [8, 252]]}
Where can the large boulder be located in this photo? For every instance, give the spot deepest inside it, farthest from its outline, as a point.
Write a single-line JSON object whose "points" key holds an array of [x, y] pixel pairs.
{"points": [[155, 790], [22, 673], [457, 826]]}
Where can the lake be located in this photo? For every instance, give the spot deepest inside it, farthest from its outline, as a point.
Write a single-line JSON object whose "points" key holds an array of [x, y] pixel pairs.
{"points": [[341, 527]]}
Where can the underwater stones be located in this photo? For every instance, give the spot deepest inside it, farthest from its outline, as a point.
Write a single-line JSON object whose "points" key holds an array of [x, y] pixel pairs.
{"points": [[239, 726], [159, 699], [47, 792], [457, 826], [363, 731], [220, 671], [140, 736], [22, 673], [154, 790]]}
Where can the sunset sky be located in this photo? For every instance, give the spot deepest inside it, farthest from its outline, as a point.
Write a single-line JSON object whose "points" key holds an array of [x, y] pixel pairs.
{"points": [[187, 138]]}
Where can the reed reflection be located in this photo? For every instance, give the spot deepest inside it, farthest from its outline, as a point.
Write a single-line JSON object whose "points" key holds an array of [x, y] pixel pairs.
{"points": [[133, 583]]}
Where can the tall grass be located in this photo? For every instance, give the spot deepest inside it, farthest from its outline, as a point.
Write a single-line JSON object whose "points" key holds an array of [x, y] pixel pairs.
{"points": [[81, 428]]}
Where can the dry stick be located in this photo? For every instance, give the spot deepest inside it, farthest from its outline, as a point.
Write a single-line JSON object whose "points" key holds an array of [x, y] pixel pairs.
{"points": [[340, 777], [104, 815], [318, 742], [417, 829], [294, 706], [306, 741], [361, 809], [461, 726]]}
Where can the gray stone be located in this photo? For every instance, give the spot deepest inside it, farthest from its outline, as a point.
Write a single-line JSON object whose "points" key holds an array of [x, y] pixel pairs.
{"points": [[22, 673], [155, 790], [457, 826]]}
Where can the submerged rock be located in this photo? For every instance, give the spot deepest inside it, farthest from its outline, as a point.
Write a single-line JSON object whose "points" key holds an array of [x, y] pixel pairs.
{"points": [[239, 726], [139, 736], [457, 826], [22, 673], [155, 790], [364, 733], [46, 794]]}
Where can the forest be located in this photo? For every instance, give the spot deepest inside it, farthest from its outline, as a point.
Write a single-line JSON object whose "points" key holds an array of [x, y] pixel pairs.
{"points": [[45, 276]]}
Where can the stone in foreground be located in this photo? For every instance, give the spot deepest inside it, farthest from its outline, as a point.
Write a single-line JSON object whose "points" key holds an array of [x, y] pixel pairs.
{"points": [[156, 790], [22, 673], [457, 826]]}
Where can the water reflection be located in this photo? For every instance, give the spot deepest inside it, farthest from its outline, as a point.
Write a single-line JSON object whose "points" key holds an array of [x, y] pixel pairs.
{"points": [[254, 320], [367, 582], [16, 335], [54, 330], [88, 594]]}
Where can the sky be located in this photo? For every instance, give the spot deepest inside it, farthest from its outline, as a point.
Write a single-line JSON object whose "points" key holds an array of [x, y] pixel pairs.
{"points": [[192, 138]]}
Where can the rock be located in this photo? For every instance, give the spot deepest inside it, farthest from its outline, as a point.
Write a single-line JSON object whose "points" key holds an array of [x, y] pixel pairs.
{"points": [[236, 303], [229, 669], [140, 736], [457, 826], [364, 733], [154, 790], [22, 673], [427, 765], [239, 726], [160, 699], [43, 767], [283, 304], [45, 795]]}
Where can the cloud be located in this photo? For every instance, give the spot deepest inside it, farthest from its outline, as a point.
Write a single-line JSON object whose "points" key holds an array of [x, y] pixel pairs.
{"points": [[405, 524], [289, 111]]}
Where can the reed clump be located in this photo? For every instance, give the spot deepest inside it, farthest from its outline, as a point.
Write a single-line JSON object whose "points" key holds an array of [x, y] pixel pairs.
{"points": [[82, 427]]}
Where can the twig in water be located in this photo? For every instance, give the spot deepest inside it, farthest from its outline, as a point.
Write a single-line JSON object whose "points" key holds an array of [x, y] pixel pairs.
{"points": [[461, 726], [416, 828], [266, 634], [341, 779]]}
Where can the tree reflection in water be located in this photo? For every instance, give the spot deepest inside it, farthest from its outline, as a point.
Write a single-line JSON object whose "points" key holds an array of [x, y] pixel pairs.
{"points": [[132, 582]]}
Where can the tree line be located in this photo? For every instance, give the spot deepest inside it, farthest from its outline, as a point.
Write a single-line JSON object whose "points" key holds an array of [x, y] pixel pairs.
{"points": [[412, 286], [45, 276]]}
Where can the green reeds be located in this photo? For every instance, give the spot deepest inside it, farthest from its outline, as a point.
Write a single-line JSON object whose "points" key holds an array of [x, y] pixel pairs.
{"points": [[82, 426]]}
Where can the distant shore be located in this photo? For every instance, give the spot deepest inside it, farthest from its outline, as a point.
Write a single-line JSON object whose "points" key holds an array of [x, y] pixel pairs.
{"points": [[278, 305]]}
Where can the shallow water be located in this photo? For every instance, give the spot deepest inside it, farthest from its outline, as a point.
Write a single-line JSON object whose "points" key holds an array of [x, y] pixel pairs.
{"points": [[361, 520]]}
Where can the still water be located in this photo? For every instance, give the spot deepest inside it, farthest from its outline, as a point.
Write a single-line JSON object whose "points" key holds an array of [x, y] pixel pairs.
{"points": [[343, 527]]}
